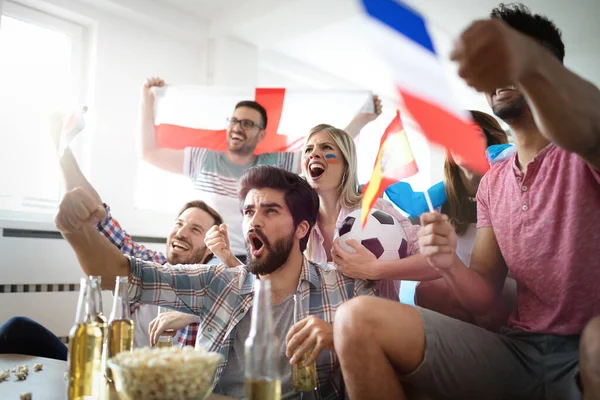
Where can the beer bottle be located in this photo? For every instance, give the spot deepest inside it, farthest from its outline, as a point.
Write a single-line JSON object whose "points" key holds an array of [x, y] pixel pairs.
{"points": [[85, 346], [120, 326], [262, 380]]}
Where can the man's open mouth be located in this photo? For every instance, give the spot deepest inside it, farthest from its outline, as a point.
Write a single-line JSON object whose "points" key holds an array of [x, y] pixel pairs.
{"points": [[237, 136], [178, 245], [256, 244]]}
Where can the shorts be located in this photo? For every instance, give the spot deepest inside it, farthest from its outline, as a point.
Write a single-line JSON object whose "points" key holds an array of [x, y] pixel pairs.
{"points": [[464, 361]]}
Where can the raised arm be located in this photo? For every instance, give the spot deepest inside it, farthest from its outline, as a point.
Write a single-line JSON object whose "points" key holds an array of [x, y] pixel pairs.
{"points": [[179, 287], [69, 168], [78, 213], [566, 107], [170, 160], [111, 229], [477, 287], [361, 119], [108, 226]]}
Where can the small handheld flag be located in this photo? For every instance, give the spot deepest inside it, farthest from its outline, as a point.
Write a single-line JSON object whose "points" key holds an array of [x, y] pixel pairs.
{"points": [[71, 128], [395, 161]]}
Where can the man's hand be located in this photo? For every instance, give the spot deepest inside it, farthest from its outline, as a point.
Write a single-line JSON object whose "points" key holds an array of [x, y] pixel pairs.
{"points": [[169, 322], [217, 241], [313, 335], [365, 117], [437, 240], [149, 84], [490, 55], [77, 209], [361, 119], [360, 265]]}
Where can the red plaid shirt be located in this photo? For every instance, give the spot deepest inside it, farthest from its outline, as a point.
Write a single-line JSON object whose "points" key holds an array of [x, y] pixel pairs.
{"points": [[112, 230]]}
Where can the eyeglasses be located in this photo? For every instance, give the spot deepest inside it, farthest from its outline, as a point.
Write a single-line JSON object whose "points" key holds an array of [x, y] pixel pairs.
{"points": [[246, 124]]}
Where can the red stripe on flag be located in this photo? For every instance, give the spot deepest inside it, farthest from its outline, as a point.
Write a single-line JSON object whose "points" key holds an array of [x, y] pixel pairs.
{"points": [[180, 137], [70, 125], [272, 100], [444, 128]]}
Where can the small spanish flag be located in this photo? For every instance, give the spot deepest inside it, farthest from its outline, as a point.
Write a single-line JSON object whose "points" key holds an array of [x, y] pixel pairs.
{"points": [[395, 161]]}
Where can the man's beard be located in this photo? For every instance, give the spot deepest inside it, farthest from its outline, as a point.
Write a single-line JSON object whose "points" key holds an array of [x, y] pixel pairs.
{"points": [[196, 257], [513, 111], [275, 258]]}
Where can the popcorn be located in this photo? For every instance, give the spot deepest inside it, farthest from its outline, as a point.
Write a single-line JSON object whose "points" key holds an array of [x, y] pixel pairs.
{"points": [[37, 367], [21, 376], [25, 396], [4, 375], [165, 373], [23, 368]]}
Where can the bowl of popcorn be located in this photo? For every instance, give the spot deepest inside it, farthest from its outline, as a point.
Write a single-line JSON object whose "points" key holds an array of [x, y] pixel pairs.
{"points": [[168, 373]]}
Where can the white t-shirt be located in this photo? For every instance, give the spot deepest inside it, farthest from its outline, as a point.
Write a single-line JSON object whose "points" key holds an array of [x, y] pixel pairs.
{"points": [[215, 179], [465, 243], [141, 321]]}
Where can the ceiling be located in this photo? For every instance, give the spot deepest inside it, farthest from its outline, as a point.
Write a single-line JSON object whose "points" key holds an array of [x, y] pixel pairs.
{"points": [[326, 34]]}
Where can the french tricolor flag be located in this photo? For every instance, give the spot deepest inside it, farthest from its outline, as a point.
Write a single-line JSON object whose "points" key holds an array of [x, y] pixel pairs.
{"points": [[400, 35]]}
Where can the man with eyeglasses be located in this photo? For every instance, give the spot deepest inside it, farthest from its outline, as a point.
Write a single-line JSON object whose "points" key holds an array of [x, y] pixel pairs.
{"points": [[215, 174]]}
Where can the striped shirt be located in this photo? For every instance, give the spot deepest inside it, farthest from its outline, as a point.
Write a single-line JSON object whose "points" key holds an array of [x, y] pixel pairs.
{"points": [[215, 179], [111, 229], [222, 296]]}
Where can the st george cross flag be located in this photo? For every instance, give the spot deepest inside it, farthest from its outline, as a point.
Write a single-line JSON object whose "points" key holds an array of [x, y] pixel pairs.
{"points": [[395, 161], [400, 36], [195, 116]]}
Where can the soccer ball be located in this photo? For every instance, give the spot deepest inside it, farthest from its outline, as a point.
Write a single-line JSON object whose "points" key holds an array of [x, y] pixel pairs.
{"points": [[383, 235]]}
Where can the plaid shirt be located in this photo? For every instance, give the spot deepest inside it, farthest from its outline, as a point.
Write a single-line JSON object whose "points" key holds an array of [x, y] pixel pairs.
{"points": [[222, 296], [112, 230]]}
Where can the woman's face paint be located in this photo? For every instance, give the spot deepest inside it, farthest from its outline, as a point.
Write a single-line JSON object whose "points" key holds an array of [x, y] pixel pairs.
{"points": [[332, 159]]}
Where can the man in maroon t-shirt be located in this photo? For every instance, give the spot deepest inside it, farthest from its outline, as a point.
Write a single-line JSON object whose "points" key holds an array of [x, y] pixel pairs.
{"points": [[538, 218]]}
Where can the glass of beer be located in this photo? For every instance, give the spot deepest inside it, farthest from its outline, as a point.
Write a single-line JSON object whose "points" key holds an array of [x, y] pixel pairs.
{"points": [[164, 341], [304, 377]]}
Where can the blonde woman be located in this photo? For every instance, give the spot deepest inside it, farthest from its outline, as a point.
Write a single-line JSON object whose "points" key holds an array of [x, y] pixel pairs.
{"points": [[329, 164]]}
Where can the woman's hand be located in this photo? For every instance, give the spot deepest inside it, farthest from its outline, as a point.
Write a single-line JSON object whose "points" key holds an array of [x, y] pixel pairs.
{"points": [[361, 265]]}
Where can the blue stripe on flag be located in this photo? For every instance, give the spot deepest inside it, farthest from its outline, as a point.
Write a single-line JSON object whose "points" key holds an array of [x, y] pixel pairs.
{"points": [[402, 19]]}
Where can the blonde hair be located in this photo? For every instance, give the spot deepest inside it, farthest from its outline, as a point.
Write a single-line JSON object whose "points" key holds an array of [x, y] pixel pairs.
{"points": [[349, 194]]}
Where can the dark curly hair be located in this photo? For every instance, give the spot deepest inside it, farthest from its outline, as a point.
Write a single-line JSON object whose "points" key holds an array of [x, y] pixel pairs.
{"points": [[536, 26], [300, 197]]}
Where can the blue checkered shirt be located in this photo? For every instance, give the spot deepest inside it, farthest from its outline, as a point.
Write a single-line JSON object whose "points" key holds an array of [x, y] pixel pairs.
{"points": [[222, 296]]}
